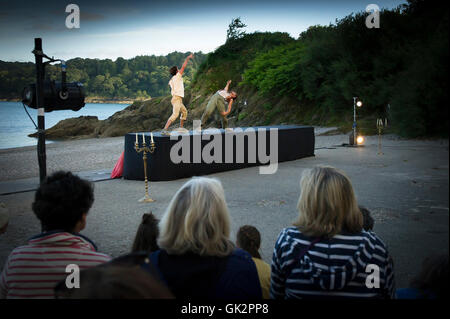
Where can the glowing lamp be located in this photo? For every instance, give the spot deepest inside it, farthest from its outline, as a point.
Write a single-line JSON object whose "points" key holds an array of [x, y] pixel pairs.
{"points": [[359, 104], [360, 140]]}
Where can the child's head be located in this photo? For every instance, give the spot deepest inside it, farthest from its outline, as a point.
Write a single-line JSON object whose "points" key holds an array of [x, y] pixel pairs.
{"points": [[173, 70], [147, 234], [368, 221], [249, 239], [4, 218]]}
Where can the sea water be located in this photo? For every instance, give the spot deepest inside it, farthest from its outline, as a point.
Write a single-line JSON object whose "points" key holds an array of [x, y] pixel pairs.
{"points": [[15, 125]]}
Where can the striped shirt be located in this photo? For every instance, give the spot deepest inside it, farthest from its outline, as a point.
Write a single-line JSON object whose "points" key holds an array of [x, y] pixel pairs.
{"points": [[33, 270], [330, 268]]}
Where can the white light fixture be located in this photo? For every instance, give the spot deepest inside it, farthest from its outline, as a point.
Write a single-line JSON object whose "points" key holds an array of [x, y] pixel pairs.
{"points": [[360, 140]]}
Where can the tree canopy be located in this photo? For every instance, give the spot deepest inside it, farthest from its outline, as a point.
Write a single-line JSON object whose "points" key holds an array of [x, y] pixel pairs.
{"points": [[139, 77]]}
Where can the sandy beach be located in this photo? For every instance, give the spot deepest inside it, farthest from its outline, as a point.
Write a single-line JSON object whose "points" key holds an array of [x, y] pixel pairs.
{"points": [[73, 155], [406, 189]]}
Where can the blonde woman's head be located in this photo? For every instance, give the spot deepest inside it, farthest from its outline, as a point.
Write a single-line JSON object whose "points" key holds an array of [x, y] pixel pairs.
{"points": [[197, 220], [327, 204]]}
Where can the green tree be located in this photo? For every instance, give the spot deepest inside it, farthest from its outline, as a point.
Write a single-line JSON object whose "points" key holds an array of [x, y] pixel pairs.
{"points": [[234, 29]]}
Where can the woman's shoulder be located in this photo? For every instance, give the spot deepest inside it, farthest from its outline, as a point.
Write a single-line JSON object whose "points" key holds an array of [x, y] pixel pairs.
{"points": [[291, 233], [240, 259], [239, 255], [374, 239]]}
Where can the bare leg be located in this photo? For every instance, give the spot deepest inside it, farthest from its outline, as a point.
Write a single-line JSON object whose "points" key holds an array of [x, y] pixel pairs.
{"points": [[224, 122], [181, 123], [167, 124]]}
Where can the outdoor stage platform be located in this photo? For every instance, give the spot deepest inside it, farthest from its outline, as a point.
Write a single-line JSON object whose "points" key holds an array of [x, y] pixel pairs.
{"points": [[195, 153]]}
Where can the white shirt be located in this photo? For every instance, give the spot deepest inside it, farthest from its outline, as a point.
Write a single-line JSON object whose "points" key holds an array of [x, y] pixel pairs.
{"points": [[176, 85], [224, 93]]}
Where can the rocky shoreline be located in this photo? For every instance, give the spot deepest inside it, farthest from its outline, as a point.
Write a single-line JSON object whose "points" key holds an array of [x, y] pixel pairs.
{"points": [[100, 100]]}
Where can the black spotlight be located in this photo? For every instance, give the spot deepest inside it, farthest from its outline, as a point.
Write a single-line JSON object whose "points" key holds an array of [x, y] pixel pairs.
{"points": [[50, 95], [56, 97]]}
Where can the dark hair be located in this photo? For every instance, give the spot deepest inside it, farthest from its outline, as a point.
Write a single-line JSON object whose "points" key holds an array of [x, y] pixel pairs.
{"points": [[147, 234], [115, 282], [249, 239], [433, 277], [173, 70], [368, 221], [61, 200]]}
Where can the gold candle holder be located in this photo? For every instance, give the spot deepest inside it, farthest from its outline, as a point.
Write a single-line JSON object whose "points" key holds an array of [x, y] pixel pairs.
{"points": [[380, 129], [145, 149]]}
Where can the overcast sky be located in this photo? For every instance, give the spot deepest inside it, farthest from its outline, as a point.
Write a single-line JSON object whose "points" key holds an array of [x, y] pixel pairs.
{"points": [[111, 29]]}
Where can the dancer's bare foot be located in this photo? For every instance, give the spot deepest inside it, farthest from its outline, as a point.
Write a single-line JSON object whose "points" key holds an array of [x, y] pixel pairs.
{"points": [[181, 130]]}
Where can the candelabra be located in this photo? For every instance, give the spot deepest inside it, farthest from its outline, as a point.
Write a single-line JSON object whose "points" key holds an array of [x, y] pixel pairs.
{"points": [[380, 127], [145, 149]]}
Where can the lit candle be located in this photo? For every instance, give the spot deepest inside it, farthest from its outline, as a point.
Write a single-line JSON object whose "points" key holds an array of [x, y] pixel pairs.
{"points": [[143, 138], [136, 139], [151, 135]]}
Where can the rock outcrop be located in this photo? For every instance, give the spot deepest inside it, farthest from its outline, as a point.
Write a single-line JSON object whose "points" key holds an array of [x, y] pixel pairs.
{"points": [[78, 127]]}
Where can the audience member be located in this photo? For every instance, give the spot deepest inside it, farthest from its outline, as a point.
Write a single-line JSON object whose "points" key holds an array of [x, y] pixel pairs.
{"points": [[61, 204], [147, 234], [327, 254], [111, 281], [197, 259], [249, 239], [368, 221], [431, 282]]}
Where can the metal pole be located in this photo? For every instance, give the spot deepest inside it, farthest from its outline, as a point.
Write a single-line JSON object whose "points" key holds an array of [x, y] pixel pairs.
{"points": [[354, 120], [40, 106]]}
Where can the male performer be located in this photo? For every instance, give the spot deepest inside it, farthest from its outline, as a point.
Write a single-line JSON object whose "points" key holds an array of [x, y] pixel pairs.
{"points": [[219, 101], [177, 91]]}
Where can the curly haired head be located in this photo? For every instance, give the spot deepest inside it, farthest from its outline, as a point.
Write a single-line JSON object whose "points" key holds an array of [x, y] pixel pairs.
{"points": [[249, 239], [61, 201]]}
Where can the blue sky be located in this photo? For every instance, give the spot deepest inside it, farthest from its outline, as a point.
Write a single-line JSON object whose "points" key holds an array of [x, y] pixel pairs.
{"points": [[111, 29]]}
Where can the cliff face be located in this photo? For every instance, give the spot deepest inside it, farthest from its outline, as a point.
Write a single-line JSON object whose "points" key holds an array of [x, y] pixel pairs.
{"points": [[79, 127]]}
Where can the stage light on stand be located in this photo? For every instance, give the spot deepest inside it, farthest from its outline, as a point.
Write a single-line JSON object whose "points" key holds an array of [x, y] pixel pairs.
{"points": [[356, 102], [57, 96], [360, 140], [48, 96]]}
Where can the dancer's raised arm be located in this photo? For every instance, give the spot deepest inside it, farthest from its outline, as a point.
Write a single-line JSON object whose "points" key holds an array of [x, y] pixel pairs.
{"points": [[190, 56], [227, 86]]}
